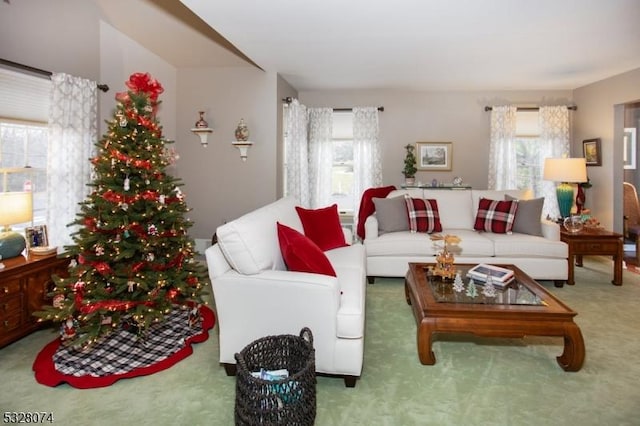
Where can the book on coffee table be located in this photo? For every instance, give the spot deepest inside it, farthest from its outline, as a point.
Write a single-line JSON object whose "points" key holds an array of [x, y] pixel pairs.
{"points": [[499, 276]]}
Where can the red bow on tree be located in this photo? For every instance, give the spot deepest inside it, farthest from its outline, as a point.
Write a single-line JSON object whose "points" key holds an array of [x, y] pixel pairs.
{"points": [[142, 82]]}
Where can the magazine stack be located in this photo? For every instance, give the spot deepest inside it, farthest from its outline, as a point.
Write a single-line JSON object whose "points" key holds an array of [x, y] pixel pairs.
{"points": [[500, 277]]}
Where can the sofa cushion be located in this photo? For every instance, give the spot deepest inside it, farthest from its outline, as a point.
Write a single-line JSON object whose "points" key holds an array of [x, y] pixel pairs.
{"points": [[498, 194], [391, 214], [407, 244], [250, 243], [301, 254], [322, 226], [528, 216], [524, 245], [495, 216], [423, 215], [454, 206]]}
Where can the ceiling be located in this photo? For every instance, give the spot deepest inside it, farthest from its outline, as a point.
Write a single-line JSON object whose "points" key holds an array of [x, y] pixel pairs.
{"points": [[407, 44]]}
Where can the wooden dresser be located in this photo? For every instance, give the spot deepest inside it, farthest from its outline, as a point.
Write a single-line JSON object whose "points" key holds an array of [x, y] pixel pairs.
{"points": [[24, 284]]}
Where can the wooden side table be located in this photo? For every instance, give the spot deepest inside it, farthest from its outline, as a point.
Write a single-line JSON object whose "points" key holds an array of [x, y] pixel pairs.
{"points": [[24, 284], [592, 241]]}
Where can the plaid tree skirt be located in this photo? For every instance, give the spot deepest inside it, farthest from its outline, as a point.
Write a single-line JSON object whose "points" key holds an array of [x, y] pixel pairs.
{"points": [[122, 354]]}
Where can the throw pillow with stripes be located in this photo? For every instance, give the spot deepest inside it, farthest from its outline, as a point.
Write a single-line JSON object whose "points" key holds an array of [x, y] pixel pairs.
{"points": [[495, 216], [423, 215]]}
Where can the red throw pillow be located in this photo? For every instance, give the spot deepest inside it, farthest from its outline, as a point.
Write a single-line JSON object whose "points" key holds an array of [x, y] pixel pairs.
{"points": [[423, 215], [301, 254], [495, 216], [322, 226]]}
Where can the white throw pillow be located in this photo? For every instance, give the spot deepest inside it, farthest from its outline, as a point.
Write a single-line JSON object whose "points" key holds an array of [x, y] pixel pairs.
{"points": [[250, 243]]}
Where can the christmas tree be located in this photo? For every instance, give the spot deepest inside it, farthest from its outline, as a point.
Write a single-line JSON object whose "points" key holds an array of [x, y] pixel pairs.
{"points": [[132, 260]]}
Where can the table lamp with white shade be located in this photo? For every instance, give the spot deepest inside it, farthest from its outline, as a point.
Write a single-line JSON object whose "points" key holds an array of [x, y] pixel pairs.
{"points": [[565, 171], [15, 207]]}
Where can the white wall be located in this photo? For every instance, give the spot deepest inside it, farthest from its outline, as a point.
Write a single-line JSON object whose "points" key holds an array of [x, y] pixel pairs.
{"points": [[219, 186], [596, 118], [120, 56], [57, 36]]}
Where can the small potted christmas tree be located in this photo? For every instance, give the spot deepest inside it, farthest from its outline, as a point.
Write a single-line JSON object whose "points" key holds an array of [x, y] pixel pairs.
{"points": [[410, 169]]}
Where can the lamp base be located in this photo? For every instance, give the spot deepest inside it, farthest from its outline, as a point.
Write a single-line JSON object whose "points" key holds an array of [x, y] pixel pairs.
{"points": [[11, 244], [564, 192]]}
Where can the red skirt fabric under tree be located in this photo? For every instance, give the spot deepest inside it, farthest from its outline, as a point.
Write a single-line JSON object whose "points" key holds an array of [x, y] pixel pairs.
{"points": [[123, 354]]}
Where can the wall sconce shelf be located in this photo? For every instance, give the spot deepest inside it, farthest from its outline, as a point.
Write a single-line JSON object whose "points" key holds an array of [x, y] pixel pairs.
{"points": [[203, 133], [243, 146]]}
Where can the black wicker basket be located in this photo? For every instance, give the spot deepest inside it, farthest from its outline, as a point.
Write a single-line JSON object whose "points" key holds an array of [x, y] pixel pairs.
{"points": [[289, 401]]}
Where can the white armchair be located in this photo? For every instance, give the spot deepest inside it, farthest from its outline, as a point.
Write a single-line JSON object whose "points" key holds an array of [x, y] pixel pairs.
{"points": [[256, 296]]}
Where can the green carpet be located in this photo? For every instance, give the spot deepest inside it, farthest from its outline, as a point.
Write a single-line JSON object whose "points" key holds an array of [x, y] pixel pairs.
{"points": [[474, 382]]}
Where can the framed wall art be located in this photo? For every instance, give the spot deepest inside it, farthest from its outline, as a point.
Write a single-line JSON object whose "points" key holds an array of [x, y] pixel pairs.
{"points": [[434, 156], [630, 148], [591, 152]]}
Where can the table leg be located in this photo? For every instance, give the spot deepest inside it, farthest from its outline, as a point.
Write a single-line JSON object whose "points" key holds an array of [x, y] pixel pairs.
{"points": [[425, 338], [573, 356], [617, 265], [570, 262]]}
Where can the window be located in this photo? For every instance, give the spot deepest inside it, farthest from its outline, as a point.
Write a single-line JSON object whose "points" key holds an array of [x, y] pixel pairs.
{"points": [[342, 162], [23, 163], [24, 111], [529, 151]]}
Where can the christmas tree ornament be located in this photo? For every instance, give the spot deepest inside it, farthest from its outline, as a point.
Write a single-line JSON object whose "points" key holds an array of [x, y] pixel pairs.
{"points": [[68, 329], [58, 301], [127, 183]]}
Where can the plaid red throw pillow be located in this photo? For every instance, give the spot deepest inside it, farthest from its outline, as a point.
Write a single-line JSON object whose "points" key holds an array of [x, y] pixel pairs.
{"points": [[495, 216], [423, 215]]}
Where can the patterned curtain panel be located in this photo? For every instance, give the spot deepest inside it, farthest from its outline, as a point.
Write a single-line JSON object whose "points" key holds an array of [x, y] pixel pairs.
{"points": [[320, 155], [72, 134], [367, 163], [296, 152], [502, 148], [554, 142]]}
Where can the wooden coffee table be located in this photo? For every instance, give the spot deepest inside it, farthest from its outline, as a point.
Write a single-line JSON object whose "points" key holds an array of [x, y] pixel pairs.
{"points": [[524, 308]]}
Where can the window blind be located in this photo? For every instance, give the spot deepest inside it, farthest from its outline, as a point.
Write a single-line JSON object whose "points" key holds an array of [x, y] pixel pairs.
{"points": [[24, 96]]}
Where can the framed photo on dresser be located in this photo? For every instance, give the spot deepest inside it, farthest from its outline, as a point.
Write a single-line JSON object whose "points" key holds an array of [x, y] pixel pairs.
{"points": [[36, 236]]}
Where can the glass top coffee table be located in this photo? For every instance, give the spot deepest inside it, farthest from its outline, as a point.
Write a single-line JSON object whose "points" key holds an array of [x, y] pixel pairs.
{"points": [[522, 308]]}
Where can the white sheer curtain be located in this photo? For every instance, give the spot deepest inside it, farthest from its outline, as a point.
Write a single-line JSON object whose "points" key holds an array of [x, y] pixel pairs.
{"points": [[73, 132], [554, 142], [502, 148], [320, 155], [297, 153], [367, 164]]}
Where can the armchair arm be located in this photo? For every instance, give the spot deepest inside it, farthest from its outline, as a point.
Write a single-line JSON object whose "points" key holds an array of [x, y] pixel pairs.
{"points": [[550, 230], [371, 227], [274, 302]]}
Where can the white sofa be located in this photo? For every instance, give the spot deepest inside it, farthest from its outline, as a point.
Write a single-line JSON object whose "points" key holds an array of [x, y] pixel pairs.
{"points": [[541, 257], [256, 296]]}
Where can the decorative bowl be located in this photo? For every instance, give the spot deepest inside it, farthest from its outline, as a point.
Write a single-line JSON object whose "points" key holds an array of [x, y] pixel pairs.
{"points": [[573, 224]]}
